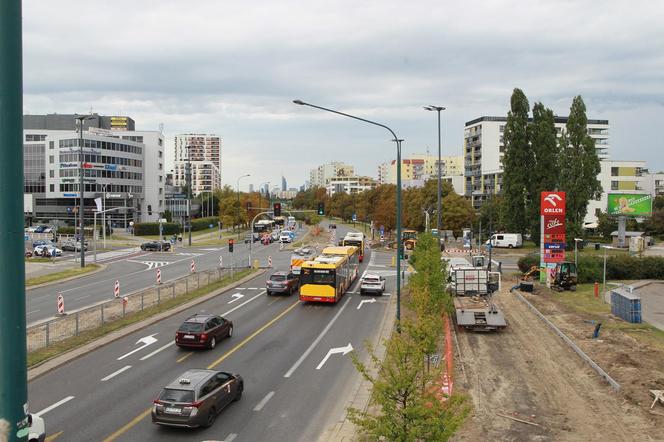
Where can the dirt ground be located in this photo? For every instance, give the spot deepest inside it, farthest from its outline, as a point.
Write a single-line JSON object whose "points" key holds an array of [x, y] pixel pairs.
{"points": [[527, 372]]}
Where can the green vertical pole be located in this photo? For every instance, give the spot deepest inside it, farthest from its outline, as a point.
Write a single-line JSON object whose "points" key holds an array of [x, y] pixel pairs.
{"points": [[399, 242], [13, 363]]}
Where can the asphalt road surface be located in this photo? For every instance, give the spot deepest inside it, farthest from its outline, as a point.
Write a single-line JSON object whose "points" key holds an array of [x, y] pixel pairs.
{"points": [[280, 345], [138, 272]]}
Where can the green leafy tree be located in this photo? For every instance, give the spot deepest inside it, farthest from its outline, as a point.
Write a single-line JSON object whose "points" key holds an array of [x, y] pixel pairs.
{"points": [[579, 167], [517, 163], [458, 212], [168, 215], [544, 164], [492, 215]]}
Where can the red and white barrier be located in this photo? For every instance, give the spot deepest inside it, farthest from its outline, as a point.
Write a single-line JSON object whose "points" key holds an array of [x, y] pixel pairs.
{"points": [[269, 261], [158, 276], [193, 266], [221, 261], [61, 304], [116, 289]]}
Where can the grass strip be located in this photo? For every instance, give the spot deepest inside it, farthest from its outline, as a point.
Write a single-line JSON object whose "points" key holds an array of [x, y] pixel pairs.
{"points": [[60, 275], [66, 345]]}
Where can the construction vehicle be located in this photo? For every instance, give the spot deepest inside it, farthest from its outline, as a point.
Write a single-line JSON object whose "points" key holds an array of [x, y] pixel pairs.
{"points": [[409, 239], [473, 288], [564, 276]]}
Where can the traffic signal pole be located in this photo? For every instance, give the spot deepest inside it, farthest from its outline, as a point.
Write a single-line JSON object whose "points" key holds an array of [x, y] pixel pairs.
{"points": [[13, 362]]}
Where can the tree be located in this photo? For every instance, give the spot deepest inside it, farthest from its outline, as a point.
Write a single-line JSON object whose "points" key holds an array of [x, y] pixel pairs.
{"points": [[544, 167], [492, 216], [168, 215], [458, 213], [579, 167], [517, 163]]}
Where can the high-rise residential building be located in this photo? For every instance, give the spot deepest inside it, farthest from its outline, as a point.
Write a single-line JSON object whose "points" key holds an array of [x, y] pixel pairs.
{"points": [[123, 167], [484, 151], [319, 176], [284, 185], [421, 167], [251, 188], [204, 153]]}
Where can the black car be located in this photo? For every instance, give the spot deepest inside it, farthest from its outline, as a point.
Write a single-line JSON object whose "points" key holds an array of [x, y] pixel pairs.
{"points": [[203, 331], [155, 246], [196, 397], [333, 226]]}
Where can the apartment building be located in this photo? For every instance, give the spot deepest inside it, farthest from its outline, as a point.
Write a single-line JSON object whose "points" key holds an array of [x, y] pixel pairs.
{"points": [[319, 176], [419, 168], [350, 185], [203, 152], [484, 150]]}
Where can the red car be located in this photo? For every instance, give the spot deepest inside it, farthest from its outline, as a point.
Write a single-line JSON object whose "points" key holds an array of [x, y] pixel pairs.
{"points": [[203, 331]]}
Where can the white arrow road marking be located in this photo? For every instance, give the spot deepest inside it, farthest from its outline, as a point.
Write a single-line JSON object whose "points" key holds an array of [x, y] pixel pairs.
{"points": [[57, 404], [115, 373], [235, 297], [230, 438], [343, 350], [370, 301], [263, 401], [145, 341], [149, 355], [316, 341]]}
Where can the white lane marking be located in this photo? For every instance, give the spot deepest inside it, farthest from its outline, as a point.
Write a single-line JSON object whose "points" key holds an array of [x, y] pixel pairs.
{"points": [[149, 355], [85, 296], [231, 437], [147, 340], [240, 288], [263, 401], [57, 404], [369, 301], [244, 303], [316, 341], [33, 311], [236, 297], [333, 351], [115, 373]]}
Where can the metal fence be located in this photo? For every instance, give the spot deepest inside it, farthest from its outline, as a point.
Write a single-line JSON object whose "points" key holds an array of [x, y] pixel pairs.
{"points": [[52, 331]]}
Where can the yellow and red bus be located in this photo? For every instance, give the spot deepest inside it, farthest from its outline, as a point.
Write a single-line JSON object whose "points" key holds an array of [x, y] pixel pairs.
{"points": [[328, 277], [357, 240]]}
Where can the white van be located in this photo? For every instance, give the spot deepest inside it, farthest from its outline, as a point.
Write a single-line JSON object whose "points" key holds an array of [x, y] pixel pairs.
{"points": [[509, 240]]}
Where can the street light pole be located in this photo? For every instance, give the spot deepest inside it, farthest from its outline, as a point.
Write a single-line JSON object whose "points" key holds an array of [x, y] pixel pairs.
{"points": [[576, 255], [604, 273], [399, 242], [81, 193], [189, 190], [439, 173], [238, 206]]}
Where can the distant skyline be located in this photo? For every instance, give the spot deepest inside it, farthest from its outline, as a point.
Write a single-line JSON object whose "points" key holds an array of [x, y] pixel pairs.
{"points": [[233, 69]]}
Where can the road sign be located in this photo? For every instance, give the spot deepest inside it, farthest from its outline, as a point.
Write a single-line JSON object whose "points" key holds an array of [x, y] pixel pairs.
{"points": [[354, 217]]}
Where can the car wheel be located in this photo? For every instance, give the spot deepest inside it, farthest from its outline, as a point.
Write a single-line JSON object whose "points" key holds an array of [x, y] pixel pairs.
{"points": [[510, 246], [238, 395], [212, 415], [213, 342], [230, 331], [269, 293]]}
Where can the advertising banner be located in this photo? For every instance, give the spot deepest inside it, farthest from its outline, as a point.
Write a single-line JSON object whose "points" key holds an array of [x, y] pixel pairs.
{"points": [[552, 203], [628, 204]]}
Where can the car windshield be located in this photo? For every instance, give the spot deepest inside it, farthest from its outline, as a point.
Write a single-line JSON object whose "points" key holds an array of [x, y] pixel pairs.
{"points": [[172, 395], [191, 327], [371, 280], [277, 278]]}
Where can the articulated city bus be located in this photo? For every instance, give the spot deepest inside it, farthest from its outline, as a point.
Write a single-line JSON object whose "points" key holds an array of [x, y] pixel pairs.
{"points": [[328, 277]]}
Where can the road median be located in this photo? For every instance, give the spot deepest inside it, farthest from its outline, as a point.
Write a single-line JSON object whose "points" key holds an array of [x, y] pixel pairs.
{"points": [[63, 276]]}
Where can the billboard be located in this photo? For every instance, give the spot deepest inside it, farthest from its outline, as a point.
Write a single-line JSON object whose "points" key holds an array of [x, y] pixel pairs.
{"points": [[552, 203], [629, 204]]}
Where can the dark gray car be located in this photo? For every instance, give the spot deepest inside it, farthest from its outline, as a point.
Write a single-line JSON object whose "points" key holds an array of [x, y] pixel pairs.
{"points": [[196, 397]]}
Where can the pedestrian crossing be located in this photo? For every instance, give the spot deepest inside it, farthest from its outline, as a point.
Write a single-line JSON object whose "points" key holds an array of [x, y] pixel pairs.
{"points": [[189, 254]]}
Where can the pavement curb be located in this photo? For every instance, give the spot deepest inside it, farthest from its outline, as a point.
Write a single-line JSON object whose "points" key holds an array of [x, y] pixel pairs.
{"points": [[344, 430], [64, 358], [58, 281]]}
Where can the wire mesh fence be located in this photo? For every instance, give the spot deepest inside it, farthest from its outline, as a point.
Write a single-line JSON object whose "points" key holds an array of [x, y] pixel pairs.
{"points": [[55, 330]]}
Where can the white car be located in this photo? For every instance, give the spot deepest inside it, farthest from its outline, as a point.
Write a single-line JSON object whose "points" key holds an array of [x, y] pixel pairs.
{"points": [[46, 250], [285, 237], [372, 284], [37, 428]]}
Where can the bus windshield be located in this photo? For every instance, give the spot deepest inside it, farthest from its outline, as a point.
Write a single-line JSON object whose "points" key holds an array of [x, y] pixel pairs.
{"points": [[315, 276]]}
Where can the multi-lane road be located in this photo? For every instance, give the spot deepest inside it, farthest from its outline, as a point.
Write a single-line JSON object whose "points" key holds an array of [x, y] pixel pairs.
{"points": [[295, 383], [137, 272]]}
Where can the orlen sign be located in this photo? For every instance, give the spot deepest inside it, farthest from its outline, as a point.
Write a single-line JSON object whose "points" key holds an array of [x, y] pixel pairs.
{"points": [[552, 203]]}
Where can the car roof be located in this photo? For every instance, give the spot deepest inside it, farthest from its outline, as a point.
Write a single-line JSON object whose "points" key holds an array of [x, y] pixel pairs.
{"points": [[196, 377], [370, 275], [280, 273], [199, 317]]}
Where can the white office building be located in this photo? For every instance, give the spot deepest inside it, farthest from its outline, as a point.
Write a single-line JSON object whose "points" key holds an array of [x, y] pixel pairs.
{"points": [[319, 176]]}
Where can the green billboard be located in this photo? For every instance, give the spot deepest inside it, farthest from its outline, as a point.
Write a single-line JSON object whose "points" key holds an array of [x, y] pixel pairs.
{"points": [[629, 204]]}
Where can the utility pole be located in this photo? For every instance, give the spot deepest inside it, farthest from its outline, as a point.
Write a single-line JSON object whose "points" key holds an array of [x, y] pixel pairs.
{"points": [[13, 363], [189, 190]]}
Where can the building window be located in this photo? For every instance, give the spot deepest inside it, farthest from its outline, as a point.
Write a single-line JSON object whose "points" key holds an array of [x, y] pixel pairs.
{"points": [[51, 145], [51, 187], [51, 159], [51, 173], [615, 185], [615, 171]]}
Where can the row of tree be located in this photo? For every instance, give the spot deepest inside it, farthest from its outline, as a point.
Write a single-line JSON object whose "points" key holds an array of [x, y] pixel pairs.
{"points": [[537, 159]]}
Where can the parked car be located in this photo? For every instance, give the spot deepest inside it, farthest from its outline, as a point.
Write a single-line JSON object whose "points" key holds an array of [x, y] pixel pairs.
{"points": [[42, 242], [372, 283], [73, 246], [195, 398], [46, 250], [40, 229], [203, 331], [156, 246], [282, 282]]}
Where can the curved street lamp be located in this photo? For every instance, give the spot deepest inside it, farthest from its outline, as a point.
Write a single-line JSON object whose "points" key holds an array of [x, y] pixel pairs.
{"points": [[398, 141], [440, 189]]}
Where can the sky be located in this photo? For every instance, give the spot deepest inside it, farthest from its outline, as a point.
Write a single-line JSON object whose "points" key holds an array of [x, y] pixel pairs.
{"points": [[233, 68]]}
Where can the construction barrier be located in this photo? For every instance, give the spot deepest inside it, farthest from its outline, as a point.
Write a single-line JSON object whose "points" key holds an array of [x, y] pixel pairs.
{"points": [[269, 261], [61, 304], [116, 289], [221, 261], [158, 276], [193, 266]]}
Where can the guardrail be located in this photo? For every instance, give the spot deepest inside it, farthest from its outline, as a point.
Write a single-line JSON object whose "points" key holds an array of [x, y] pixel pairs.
{"points": [[47, 333]]}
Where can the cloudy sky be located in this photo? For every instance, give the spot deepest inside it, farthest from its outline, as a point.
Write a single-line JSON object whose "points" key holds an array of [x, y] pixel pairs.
{"points": [[233, 68]]}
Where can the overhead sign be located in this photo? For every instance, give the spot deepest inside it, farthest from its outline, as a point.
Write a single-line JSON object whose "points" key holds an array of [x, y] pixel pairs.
{"points": [[629, 204], [554, 224], [552, 203]]}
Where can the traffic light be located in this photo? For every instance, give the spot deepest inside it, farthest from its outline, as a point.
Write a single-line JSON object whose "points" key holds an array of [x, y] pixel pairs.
{"points": [[321, 208], [231, 242], [277, 209]]}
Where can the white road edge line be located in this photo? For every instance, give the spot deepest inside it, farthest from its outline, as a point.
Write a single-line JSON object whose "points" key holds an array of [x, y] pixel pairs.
{"points": [[317, 340], [164, 347], [231, 437], [57, 404], [115, 373], [33, 311], [263, 401]]}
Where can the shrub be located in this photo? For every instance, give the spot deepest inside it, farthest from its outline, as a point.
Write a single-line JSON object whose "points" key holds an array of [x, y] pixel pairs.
{"points": [[526, 262], [66, 230], [153, 229], [203, 223]]}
